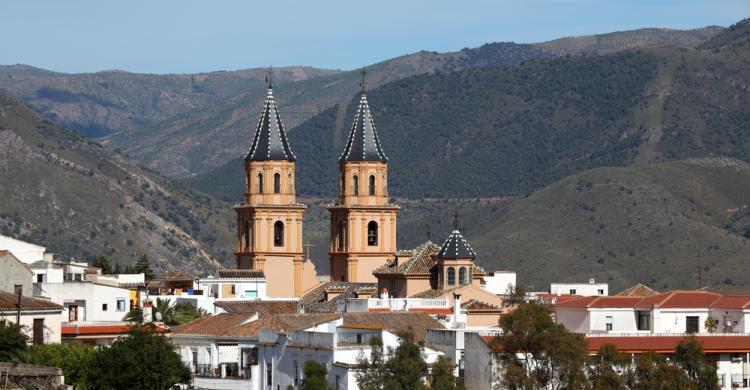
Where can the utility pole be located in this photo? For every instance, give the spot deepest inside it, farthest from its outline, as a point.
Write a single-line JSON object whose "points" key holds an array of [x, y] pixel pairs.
{"points": [[19, 291]]}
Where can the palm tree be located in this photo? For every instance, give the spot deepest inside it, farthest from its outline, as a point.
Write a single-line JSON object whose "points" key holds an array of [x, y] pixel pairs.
{"points": [[164, 311], [134, 315]]}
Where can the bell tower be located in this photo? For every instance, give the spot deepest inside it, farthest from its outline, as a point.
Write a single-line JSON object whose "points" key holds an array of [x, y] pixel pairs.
{"points": [[269, 220], [363, 223]]}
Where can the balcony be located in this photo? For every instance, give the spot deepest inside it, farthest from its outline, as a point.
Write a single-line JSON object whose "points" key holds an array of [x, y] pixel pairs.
{"points": [[396, 304]]}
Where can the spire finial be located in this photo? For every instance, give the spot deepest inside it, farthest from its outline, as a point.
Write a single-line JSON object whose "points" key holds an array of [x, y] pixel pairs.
{"points": [[455, 220], [363, 83], [269, 77]]}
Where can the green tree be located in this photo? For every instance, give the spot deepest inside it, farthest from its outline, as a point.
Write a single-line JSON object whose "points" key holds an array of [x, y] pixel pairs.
{"points": [[142, 266], [165, 310], [73, 358], [653, 372], [371, 374], [315, 376], [118, 268], [134, 315], [538, 353], [185, 312], [690, 356], [441, 375], [143, 360], [406, 369], [609, 369], [103, 263], [514, 295], [13, 341]]}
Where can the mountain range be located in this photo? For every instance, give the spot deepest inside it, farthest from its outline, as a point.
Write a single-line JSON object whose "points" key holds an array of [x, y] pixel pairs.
{"points": [[621, 157]]}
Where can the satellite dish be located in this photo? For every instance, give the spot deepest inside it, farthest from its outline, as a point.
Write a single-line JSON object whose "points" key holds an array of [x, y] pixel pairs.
{"points": [[158, 316]]}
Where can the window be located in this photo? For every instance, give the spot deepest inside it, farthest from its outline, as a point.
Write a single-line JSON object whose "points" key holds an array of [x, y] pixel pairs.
{"points": [[372, 185], [251, 293], [356, 185], [247, 234], [234, 290], [72, 313], [120, 304], [260, 183], [79, 277], [40, 278], [572, 291], [462, 279], [644, 320], [341, 236], [269, 375], [451, 276], [343, 184], [692, 324], [296, 373], [372, 233], [608, 323], [276, 183], [600, 291], [104, 307], [278, 233]]}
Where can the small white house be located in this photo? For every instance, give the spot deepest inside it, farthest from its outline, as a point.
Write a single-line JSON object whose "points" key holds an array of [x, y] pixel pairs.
{"points": [[592, 288], [40, 317], [24, 251], [230, 284], [499, 282]]}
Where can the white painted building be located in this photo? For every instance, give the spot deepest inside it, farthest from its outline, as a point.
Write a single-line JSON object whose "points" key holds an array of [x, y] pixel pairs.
{"points": [[40, 317], [24, 251], [231, 284], [499, 282], [84, 301], [336, 343], [592, 288]]}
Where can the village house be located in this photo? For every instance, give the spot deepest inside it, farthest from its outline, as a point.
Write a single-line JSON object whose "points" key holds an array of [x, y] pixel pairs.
{"points": [[40, 317]]}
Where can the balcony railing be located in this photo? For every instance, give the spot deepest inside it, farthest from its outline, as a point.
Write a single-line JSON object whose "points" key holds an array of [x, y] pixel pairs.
{"points": [[394, 304]]}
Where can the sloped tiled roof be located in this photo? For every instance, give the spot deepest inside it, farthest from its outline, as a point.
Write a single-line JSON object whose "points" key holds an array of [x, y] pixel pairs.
{"points": [[315, 300], [9, 300], [363, 143], [259, 306], [212, 325], [477, 306], [177, 275], [637, 290], [456, 247], [421, 262], [394, 322], [270, 142], [668, 300], [241, 273], [433, 293]]}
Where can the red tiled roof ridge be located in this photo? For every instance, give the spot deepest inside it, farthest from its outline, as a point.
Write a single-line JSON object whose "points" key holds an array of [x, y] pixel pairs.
{"points": [[668, 300]]}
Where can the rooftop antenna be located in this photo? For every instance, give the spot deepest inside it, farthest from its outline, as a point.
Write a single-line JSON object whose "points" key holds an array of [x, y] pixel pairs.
{"points": [[363, 83], [700, 273], [269, 77], [307, 250]]}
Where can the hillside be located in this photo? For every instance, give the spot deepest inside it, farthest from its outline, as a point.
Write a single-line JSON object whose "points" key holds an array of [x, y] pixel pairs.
{"points": [[498, 132], [647, 223], [205, 139], [79, 199], [96, 104]]}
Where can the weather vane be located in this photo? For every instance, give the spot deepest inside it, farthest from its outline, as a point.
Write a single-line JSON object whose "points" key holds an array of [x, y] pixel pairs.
{"points": [[363, 83]]}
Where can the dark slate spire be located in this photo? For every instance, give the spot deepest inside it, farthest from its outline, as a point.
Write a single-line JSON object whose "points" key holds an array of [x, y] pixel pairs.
{"points": [[456, 247], [363, 144], [270, 141]]}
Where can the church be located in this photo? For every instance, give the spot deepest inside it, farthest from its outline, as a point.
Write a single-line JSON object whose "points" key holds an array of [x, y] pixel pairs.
{"points": [[363, 223]]}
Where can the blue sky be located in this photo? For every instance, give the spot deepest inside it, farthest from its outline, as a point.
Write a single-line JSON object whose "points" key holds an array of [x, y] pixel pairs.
{"points": [[185, 36]]}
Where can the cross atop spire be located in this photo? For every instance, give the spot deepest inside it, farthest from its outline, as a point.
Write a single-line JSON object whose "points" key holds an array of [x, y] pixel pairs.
{"points": [[363, 83], [269, 77], [455, 220]]}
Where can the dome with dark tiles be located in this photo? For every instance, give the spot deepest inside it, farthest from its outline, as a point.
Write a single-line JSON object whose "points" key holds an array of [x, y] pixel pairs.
{"points": [[456, 247], [270, 141]]}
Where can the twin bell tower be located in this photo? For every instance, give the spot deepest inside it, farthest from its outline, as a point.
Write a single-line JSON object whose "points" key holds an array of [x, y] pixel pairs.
{"points": [[269, 221]]}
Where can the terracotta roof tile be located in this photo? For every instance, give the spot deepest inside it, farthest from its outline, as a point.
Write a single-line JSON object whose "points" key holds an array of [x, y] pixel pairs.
{"points": [[315, 300], [177, 275], [9, 300], [477, 306], [637, 290], [212, 325], [394, 322], [259, 306], [421, 262], [241, 273], [668, 300], [667, 344]]}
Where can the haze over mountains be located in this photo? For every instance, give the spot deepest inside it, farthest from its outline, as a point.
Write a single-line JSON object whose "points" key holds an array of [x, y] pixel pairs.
{"points": [[474, 131]]}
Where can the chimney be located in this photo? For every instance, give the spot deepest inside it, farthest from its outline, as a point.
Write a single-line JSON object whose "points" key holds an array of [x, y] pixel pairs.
{"points": [[456, 305]]}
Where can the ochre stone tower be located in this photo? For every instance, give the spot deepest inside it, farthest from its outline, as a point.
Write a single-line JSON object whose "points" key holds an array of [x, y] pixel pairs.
{"points": [[363, 223], [269, 221]]}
